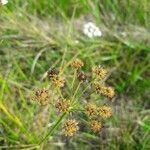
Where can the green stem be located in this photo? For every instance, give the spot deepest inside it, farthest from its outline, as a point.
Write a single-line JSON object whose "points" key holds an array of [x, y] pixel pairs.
{"points": [[76, 91], [53, 128], [59, 91], [74, 78], [86, 88]]}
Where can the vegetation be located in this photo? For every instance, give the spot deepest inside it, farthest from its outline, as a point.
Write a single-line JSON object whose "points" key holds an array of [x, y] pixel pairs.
{"points": [[38, 36]]}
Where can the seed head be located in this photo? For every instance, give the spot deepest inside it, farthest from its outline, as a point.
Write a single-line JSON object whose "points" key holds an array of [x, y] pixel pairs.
{"points": [[109, 92], [82, 77], [70, 127], [58, 81], [98, 87], [77, 63], [53, 73], [95, 125], [105, 111], [63, 105], [42, 96], [99, 71], [91, 110], [104, 90]]}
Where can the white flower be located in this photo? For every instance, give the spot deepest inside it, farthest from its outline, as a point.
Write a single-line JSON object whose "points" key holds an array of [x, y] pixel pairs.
{"points": [[50, 124], [91, 30], [3, 2], [76, 41]]}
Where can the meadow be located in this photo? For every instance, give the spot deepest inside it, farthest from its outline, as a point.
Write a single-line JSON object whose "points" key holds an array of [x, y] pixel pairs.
{"points": [[37, 36]]}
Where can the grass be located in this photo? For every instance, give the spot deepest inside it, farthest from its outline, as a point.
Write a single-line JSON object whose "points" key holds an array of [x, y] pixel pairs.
{"points": [[35, 36]]}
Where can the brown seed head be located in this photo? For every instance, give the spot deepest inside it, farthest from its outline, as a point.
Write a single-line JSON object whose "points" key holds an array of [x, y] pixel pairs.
{"points": [[63, 105], [98, 87], [104, 90], [82, 77], [70, 127], [77, 63], [109, 92], [58, 81], [91, 110], [42, 96], [105, 111], [95, 125], [99, 71], [53, 73]]}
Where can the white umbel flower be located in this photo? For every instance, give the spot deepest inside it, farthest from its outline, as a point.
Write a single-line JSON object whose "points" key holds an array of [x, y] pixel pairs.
{"points": [[91, 30], [3, 2], [50, 124]]}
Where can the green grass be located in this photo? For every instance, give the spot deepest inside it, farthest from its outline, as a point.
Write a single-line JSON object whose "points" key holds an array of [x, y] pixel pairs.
{"points": [[34, 37]]}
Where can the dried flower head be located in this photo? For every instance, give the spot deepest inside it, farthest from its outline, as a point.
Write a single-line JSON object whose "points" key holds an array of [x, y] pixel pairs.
{"points": [[82, 77], [99, 71], [70, 127], [77, 63], [109, 92], [104, 90], [91, 110], [58, 81], [98, 87], [42, 96], [53, 73], [95, 125], [105, 111], [63, 105]]}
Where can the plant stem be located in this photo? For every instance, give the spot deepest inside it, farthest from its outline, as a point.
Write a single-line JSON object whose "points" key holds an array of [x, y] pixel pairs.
{"points": [[53, 128], [76, 91], [74, 77]]}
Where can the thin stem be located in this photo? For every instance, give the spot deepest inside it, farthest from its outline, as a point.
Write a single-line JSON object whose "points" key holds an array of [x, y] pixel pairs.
{"points": [[74, 78], [59, 91], [86, 88], [53, 128], [62, 63], [76, 91], [32, 146]]}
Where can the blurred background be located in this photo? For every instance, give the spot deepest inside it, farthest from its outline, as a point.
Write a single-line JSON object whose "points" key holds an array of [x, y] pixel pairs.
{"points": [[34, 36]]}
